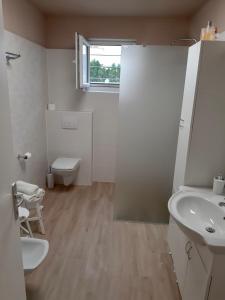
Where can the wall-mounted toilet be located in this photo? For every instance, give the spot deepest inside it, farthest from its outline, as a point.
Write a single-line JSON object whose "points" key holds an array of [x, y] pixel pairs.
{"points": [[65, 169]]}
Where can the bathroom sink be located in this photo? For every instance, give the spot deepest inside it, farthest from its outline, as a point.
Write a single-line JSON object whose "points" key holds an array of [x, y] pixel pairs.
{"points": [[200, 217], [34, 252]]}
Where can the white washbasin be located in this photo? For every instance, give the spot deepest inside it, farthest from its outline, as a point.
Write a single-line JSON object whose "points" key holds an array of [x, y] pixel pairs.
{"points": [[200, 217], [34, 252]]}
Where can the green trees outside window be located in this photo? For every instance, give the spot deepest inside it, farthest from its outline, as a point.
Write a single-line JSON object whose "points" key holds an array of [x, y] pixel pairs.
{"points": [[104, 74]]}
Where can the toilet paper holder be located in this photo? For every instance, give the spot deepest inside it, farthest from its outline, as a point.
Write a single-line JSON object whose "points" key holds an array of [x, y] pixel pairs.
{"points": [[24, 156]]}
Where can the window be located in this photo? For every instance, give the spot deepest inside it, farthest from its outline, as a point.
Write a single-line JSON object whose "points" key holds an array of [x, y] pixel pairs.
{"points": [[105, 65], [98, 62], [82, 61], [85, 71]]}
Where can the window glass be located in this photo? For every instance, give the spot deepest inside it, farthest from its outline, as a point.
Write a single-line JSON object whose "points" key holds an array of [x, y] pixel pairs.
{"points": [[105, 64], [85, 63]]}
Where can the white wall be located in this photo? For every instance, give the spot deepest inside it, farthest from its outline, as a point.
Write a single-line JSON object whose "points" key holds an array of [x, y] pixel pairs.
{"points": [[61, 91], [27, 82], [76, 143]]}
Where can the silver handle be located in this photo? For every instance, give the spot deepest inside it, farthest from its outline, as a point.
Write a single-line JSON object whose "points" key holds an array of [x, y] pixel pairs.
{"points": [[181, 125], [189, 253], [17, 200], [188, 248]]}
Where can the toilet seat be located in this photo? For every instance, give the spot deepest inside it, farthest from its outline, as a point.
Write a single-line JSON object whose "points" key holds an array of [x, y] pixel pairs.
{"points": [[63, 163]]}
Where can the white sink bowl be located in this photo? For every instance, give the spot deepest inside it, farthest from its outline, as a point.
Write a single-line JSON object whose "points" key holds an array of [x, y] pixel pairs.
{"points": [[34, 252], [200, 217]]}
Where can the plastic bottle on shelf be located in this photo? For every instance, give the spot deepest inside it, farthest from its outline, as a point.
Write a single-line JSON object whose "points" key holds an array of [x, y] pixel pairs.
{"points": [[203, 34], [209, 33]]}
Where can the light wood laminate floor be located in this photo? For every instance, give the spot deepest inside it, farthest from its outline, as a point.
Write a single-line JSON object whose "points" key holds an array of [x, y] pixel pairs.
{"points": [[92, 257]]}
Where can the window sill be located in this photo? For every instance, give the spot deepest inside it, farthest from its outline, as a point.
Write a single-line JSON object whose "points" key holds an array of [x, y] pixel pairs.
{"points": [[103, 89]]}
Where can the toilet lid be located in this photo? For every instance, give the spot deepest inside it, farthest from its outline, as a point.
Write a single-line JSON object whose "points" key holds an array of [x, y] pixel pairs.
{"points": [[64, 163]]}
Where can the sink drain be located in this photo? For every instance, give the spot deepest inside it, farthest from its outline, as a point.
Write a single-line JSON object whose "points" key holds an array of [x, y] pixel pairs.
{"points": [[222, 204], [210, 229]]}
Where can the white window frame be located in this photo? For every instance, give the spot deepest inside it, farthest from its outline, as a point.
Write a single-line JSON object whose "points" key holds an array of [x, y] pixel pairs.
{"points": [[80, 41], [109, 42]]}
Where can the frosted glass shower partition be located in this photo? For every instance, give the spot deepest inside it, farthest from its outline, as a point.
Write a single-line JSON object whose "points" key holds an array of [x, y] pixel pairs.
{"points": [[151, 91]]}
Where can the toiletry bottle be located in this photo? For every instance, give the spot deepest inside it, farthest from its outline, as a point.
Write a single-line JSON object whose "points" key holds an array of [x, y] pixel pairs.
{"points": [[203, 34], [212, 36], [218, 185], [209, 31], [216, 33]]}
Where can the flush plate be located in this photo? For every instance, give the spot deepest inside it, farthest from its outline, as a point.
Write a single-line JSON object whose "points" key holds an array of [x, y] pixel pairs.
{"points": [[69, 121]]}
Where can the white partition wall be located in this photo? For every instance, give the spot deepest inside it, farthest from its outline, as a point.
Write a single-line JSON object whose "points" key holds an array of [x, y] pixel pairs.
{"points": [[152, 83]]}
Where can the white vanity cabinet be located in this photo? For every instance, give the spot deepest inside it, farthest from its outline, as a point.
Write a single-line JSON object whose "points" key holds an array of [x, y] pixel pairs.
{"points": [[177, 242], [201, 146], [193, 278], [200, 273], [197, 279]]}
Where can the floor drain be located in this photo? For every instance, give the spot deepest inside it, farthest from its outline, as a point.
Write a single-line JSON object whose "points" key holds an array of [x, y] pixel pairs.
{"points": [[210, 229]]}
